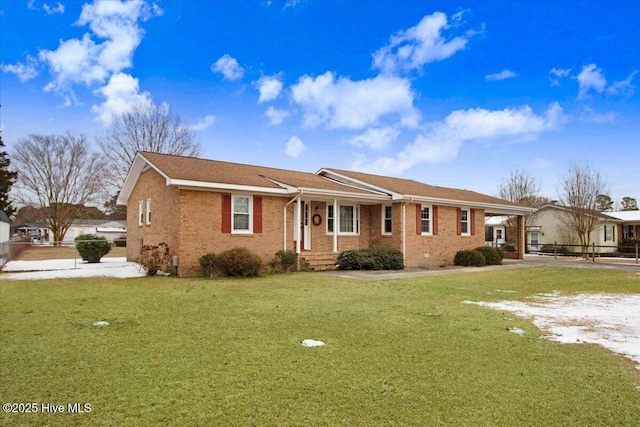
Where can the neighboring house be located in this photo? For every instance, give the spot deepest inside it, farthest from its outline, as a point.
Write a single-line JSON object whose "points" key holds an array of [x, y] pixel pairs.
{"points": [[40, 233], [630, 226], [100, 227], [549, 229], [5, 236], [198, 206], [495, 229]]}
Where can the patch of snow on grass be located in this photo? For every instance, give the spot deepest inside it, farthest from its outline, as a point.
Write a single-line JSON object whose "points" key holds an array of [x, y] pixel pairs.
{"points": [[312, 343], [71, 268], [101, 323], [516, 331], [612, 321]]}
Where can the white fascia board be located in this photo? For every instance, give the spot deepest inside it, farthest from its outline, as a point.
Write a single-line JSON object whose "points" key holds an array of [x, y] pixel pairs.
{"points": [[137, 167], [334, 194], [359, 184], [492, 207], [183, 183]]}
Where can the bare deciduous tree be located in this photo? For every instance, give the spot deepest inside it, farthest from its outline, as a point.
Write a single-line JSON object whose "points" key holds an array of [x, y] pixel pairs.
{"points": [[521, 188], [579, 195], [59, 173], [147, 127]]}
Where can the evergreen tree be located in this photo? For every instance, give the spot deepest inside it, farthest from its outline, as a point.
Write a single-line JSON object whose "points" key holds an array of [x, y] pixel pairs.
{"points": [[7, 178], [629, 204]]}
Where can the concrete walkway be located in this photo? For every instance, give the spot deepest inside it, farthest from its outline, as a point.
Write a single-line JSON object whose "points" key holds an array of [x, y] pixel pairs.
{"points": [[508, 264]]}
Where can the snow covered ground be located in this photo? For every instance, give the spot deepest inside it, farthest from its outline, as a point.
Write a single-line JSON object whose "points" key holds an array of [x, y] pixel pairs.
{"points": [[612, 321], [70, 268]]}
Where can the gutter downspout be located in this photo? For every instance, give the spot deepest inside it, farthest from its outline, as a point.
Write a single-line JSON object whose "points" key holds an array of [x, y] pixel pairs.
{"points": [[285, 218]]}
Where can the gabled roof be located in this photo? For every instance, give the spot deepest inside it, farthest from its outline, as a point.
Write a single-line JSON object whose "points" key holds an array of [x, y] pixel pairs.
{"points": [[401, 188], [203, 173], [592, 212], [190, 172]]}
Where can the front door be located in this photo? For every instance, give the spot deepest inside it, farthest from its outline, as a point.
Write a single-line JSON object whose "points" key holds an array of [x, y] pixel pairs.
{"points": [[306, 229]]}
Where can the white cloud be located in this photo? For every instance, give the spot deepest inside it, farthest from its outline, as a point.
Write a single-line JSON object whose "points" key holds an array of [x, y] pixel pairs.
{"points": [[295, 147], [442, 141], [557, 74], [269, 87], [87, 61], [276, 116], [203, 123], [502, 75], [51, 10], [411, 49], [376, 138], [623, 87], [122, 93], [590, 79], [228, 67], [344, 103], [24, 72]]}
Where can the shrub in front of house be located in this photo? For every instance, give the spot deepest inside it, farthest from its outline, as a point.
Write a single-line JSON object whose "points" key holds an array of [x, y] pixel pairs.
{"points": [[492, 255], [375, 258], [629, 245], [239, 262], [284, 261], [469, 258], [209, 264], [154, 258], [91, 247]]}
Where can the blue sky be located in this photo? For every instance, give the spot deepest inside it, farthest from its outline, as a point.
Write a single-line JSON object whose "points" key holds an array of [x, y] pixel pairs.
{"points": [[450, 93]]}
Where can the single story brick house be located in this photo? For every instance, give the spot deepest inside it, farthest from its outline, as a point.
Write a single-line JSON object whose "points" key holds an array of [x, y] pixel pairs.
{"points": [[197, 206]]}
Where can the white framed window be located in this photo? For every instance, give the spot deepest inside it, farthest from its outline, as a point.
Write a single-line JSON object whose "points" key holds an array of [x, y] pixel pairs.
{"points": [[348, 219], [465, 219], [330, 219], [499, 234], [387, 222], [140, 212], [425, 220], [241, 214], [148, 211]]}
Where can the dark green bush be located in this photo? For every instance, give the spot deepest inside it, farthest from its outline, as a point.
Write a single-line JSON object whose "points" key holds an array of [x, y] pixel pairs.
{"points": [[239, 262], [91, 247], [284, 261], [209, 264], [470, 259], [492, 255], [376, 258], [629, 245]]}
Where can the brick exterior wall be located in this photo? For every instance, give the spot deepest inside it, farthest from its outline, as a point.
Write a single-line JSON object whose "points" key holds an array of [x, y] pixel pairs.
{"points": [[190, 222]]}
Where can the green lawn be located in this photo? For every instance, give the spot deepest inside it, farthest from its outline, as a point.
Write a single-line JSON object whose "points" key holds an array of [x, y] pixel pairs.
{"points": [[227, 352]]}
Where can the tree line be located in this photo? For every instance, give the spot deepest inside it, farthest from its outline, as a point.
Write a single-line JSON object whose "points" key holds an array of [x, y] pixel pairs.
{"points": [[59, 178]]}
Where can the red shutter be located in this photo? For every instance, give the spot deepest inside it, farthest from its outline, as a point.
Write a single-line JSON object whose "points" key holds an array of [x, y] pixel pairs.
{"points": [[458, 221], [418, 220], [257, 214], [473, 222], [226, 213], [434, 213]]}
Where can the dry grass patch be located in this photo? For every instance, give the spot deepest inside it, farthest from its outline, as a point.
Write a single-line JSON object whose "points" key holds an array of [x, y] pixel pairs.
{"points": [[41, 253]]}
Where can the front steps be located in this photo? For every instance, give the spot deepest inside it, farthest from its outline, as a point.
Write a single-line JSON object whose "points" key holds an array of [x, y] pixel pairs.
{"points": [[318, 261]]}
